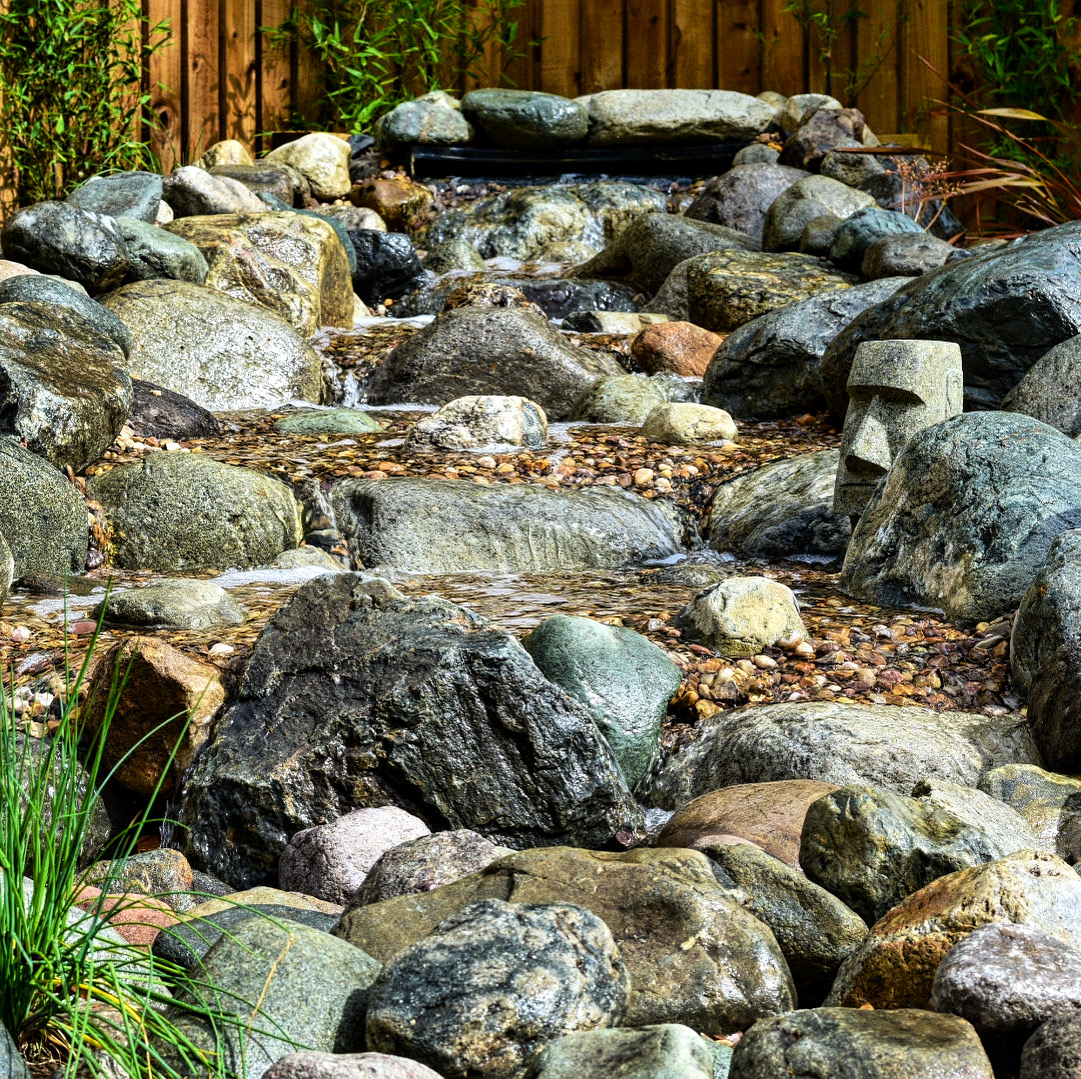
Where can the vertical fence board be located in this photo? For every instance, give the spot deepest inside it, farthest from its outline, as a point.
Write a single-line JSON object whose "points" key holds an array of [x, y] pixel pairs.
{"points": [[239, 83], [877, 66], [783, 49], [646, 44], [739, 47], [601, 31], [307, 80], [925, 35], [523, 72], [203, 116], [163, 81], [693, 44], [560, 20], [272, 104]]}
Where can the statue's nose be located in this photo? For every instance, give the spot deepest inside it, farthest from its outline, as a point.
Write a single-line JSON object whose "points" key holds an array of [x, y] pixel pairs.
{"points": [[867, 449]]}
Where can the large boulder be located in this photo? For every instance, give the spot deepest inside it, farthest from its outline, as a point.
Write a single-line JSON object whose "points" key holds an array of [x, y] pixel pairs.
{"points": [[772, 365], [726, 289], [1051, 389], [741, 616], [322, 159], [740, 197], [648, 117], [489, 350], [439, 526], [394, 701], [217, 350], [802, 202], [525, 119], [183, 511], [973, 302], [121, 194], [57, 238], [42, 515], [468, 999], [841, 743], [895, 966], [292, 264], [966, 515], [64, 390], [467, 423], [1050, 803], [385, 265], [780, 509], [694, 955], [662, 1051], [157, 253], [430, 120], [190, 191]]}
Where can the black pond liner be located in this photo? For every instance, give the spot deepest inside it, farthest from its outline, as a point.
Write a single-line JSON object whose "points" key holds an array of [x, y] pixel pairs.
{"points": [[701, 160]]}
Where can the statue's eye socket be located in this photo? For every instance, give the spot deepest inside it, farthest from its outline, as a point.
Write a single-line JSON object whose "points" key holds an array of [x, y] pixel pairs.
{"points": [[894, 394]]}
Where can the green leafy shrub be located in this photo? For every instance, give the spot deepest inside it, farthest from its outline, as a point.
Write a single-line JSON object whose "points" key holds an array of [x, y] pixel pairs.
{"points": [[70, 73]]}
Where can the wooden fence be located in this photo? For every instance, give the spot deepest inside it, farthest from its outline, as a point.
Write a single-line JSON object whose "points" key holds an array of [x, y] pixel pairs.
{"points": [[220, 76]]}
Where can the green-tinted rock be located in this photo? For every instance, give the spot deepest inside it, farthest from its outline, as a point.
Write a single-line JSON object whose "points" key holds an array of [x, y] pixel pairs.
{"points": [[801, 203], [627, 399], [725, 289], [156, 252], [176, 603], [330, 421], [843, 1043], [815, 930], [667, 1051], [526, 119], [648, 117], [1051, 804], [429, 122], [180, 511], [623, 679], [694, 955]]}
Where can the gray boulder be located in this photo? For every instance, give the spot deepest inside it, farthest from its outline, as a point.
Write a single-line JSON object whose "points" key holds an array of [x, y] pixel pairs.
{"points": [[426, 863], [441, 526], [54, 237], [1051, 389], [525, 119], [906, 254], [329, 421], [973, 302], [1054, 1050], [858, 231], [322, 159], [489, 350], [122, 194], [877, 745], [156, 252], [780, 509], [827, 128], [182, 511], [42, 515], [805, 200], [665, 1051], [1050, 803], [467, 423], [771, 366], [191, 192], [269, 178], [177, 604], [871, 847], [685, 423], [966, 515], [623, 398], [908, 1043], [1007, 980], [740, 197], [428, 120], [741, 616], [12, 1064], [1054, 703], [63, 388], [217, 350], [621, 677], [313, 1065], [433, 708], [467, 999], [331, 861]]}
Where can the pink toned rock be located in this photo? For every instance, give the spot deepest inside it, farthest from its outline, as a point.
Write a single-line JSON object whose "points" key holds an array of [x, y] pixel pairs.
{"points": [[312, 1065], [137, 918], [681, 347]]}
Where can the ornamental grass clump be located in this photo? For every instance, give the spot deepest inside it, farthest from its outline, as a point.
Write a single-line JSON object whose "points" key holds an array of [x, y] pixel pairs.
{"points": [[73, 992]]}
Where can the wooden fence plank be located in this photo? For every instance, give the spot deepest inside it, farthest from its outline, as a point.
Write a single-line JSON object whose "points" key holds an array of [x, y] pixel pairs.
{"points": [[877, 66], [924, 35], [645, 44], [239, 83], [163, 81], [524, 71], [202, 104], [693, 44], [783, 49], [307, 82], [601, 32], [559, 27], [739, 47], [272, 103]]}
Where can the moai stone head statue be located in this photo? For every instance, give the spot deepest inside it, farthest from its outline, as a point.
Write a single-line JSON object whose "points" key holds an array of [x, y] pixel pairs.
{"points": [[895, 388]]}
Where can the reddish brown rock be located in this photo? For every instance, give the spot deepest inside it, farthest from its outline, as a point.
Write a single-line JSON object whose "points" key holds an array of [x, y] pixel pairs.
{"points": [[400, 202], [895, 967], [165, 689], [681, 347], [137, 918], [770, 815]]}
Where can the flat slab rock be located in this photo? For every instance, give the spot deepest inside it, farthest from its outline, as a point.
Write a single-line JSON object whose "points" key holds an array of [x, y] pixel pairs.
{"points": [[395, 701]]}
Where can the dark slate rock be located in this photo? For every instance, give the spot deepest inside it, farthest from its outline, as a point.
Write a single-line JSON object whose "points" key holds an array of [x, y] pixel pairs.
{"points": [[1054, 710], [1051, 391], [525, 119], [434, 709], [267, 177], [56, 238], [475, 350], [12, 1065], [856, 233], [162, 413], [39, 288], [621, 677], [1005, 309], [824, 130], [495, 983], [452, 526], [871, 847], [431, 122], [966, 515], [42, 515], [771, 366], [1054, 1051], [892, 192], [63, 387], [906, 254], [847, 1043], [426, 863], [187, 942], [156, 252], [123, 194], [1006, 980], [387, 265], [664, 1051], [740, 197], [815, 930]]}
